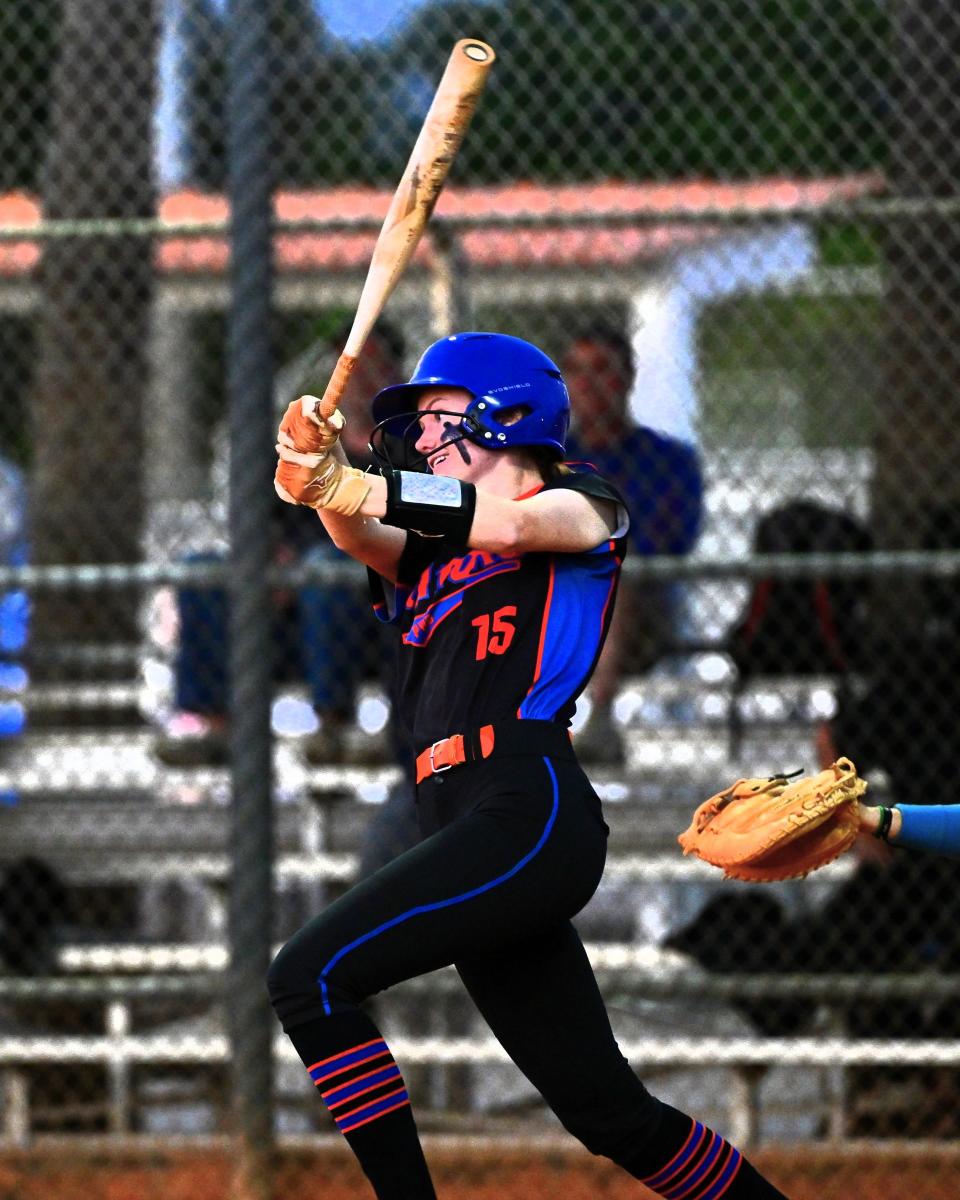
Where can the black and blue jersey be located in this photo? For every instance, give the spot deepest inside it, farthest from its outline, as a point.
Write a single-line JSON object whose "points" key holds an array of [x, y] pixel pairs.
{"points": [[513, 847], [485, 637]]}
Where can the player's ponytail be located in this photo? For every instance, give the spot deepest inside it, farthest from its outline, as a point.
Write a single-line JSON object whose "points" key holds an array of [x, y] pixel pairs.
{"points": [[546, 463]]}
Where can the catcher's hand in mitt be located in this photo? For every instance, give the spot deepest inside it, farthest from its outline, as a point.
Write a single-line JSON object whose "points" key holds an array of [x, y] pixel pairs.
{"points": [[767, 829]]}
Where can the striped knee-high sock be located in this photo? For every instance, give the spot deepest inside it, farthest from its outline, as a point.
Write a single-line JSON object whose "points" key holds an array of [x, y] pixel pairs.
{"points": [[360, 1083], [707, 1167]]}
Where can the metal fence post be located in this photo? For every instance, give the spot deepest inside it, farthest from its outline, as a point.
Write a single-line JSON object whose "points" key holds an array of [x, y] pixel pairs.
{"points": [[450, 307], [249, 380]]}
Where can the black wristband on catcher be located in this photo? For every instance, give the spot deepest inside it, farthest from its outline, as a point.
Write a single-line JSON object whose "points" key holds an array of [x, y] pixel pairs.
{"points": [[886, 819], [430, 504]]}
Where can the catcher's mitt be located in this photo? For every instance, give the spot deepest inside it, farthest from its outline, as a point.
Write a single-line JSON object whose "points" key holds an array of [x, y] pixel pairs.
{"points": [[768, 829]]}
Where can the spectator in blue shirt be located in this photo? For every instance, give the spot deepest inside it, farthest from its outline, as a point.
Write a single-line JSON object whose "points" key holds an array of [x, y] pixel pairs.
{"points": [[661, 480]]}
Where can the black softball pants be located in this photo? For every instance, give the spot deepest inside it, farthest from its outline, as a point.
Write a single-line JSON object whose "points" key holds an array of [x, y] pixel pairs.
{"points": [[514, 847]]}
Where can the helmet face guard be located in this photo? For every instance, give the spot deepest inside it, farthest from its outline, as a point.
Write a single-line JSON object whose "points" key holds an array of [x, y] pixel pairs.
{"points": [[393, 440], [505, 376]]}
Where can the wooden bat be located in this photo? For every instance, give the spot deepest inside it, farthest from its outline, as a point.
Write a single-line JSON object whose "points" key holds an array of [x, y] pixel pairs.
{"points": [[435, 149]]}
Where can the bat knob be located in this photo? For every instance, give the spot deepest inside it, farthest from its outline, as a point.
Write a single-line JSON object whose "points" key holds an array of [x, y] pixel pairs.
{"points": [[477, 51], [310, 407]]}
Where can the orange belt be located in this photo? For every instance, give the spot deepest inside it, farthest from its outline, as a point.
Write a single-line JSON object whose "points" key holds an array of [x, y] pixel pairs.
{"points": [[452, 752]]}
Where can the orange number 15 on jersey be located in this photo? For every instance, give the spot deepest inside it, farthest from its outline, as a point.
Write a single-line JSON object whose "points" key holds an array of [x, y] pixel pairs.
{"points": [[495, 631]]}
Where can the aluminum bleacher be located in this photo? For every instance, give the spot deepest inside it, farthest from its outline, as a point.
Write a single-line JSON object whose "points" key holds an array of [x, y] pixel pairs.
{"points": [[127, 820]]}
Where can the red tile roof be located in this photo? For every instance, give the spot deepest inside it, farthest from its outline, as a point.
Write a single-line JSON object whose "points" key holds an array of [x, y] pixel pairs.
{"points": [[588, 245]]}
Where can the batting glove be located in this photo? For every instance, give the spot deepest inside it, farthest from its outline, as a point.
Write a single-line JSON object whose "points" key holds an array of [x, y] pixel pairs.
{"points": [[334, 487], [306, 432]]}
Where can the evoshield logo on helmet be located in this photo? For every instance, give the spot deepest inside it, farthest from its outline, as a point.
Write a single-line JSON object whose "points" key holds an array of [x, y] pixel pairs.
{"points": [[487, 365]]}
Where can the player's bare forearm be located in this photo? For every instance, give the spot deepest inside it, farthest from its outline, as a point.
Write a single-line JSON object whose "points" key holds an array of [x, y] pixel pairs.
{"points": [[564, 522], [361, 536]]}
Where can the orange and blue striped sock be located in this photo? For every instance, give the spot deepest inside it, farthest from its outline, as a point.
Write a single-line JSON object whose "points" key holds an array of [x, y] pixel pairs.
{"points": [[702, 1169], [708, 1167], [360, 1083]]}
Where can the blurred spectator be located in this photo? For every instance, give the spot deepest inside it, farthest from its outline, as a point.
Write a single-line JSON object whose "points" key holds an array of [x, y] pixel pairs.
{"points": [[900, 713], [324, 632], [804, 626], [661, 481], [800, 627], [747, 933], [900, 912], [14, 606], [34, 906], [899, 717]]}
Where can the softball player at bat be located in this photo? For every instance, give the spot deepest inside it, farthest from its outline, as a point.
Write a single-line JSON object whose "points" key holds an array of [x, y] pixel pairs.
{"points": [[499, 566]]}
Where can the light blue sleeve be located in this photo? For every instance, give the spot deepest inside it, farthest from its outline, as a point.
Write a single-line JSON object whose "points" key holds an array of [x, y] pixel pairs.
{"points": [[933, 827]]}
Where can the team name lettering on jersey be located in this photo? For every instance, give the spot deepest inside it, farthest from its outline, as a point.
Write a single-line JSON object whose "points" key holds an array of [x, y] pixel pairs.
{"points": [[440, 588]]}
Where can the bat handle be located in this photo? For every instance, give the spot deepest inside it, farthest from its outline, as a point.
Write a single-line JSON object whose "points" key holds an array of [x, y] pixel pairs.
{"points": [[333, 394]]}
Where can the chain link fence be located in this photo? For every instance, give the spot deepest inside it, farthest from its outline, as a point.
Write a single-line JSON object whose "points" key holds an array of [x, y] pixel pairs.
{"points": [[735, 228]]}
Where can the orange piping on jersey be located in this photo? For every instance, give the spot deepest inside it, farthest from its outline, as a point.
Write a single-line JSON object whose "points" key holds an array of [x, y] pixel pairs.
{"points": [[533, 491], [543, 631], [606, 603]]}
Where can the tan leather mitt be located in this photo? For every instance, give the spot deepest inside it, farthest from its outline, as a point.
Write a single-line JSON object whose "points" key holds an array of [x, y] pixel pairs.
{"points": [[763, 830]]}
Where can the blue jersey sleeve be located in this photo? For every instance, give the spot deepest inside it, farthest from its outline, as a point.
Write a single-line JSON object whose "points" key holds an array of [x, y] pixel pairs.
{"points": [[933, 827]]}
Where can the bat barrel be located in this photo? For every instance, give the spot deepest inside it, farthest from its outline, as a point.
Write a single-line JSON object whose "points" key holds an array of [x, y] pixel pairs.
{"points": [[426, 171]]}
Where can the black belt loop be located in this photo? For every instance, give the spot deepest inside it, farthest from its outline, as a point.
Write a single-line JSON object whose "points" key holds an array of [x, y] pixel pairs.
{"points": [[471, 743]]}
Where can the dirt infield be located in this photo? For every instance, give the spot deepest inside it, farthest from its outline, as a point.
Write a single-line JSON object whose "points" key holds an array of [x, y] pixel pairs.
{"points": [[467, 1172]]}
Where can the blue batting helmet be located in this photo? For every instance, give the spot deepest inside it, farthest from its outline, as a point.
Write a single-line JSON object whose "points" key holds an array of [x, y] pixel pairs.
{"points": [[502, 374]]}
